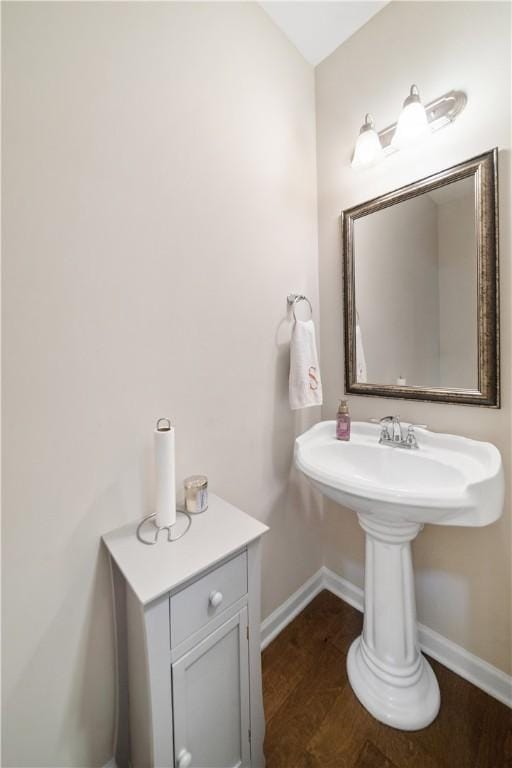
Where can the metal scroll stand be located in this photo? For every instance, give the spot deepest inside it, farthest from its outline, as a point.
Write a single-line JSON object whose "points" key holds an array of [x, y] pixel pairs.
{"points": [[147, 530], [148, 527]]}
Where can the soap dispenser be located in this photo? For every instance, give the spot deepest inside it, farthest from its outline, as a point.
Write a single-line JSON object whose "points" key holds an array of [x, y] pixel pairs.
{"points": [[343, 421]]}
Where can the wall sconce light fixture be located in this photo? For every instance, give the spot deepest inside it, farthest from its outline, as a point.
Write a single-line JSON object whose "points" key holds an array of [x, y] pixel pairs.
{"points": [[414, 123], [368, 149]]}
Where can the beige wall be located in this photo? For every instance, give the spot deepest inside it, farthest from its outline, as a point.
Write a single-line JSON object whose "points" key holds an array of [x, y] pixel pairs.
{"points": [[463, 575], [159, 204]]}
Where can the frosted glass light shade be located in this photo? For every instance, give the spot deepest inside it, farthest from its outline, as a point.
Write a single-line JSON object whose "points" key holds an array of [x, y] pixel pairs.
{"points": [[368, 149], [412, 124]]}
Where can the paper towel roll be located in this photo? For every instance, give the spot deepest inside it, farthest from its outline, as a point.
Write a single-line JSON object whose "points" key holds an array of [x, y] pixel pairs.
{"points": [[165, 473]]}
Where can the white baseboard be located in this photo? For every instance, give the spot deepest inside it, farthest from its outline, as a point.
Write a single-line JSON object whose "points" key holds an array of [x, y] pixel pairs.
{"points": [[111, 764], [472, 668], [278, 619], [340, 587]]}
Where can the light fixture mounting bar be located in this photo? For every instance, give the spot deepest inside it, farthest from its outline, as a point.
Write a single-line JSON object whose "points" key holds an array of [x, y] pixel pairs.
{"points": [[439, 112]]}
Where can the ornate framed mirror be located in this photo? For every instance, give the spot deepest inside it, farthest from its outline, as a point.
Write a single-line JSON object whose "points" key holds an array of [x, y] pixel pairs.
{"points": [[421, 293]]}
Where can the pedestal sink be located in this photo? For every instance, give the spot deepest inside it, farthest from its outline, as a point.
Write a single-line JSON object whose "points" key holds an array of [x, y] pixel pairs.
{"points": [[447, 480]]}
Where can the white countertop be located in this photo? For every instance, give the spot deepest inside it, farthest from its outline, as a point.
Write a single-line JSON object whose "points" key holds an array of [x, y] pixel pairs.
{"points": [[152, 571]]}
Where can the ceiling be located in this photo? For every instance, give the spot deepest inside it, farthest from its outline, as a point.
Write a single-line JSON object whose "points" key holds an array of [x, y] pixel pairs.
{"points": [[318, 28]]}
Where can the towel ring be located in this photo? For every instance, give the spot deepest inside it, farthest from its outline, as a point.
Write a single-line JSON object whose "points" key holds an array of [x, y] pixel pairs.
{"points": [[295, 298]]}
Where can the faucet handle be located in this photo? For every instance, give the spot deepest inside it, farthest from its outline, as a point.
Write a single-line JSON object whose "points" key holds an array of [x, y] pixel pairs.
{"points": [[384, 427], [411, 434]]}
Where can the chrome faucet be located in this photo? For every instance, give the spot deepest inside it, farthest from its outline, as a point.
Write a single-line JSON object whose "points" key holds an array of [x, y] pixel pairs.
{"points": [[393, 429], [392, 433]]}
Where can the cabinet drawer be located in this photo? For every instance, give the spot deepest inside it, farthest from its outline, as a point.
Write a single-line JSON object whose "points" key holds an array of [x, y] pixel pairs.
{"points": [[194, 606]]}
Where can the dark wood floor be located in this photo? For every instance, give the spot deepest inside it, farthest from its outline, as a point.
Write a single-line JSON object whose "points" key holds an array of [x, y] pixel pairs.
{"points": [[315, 721]]}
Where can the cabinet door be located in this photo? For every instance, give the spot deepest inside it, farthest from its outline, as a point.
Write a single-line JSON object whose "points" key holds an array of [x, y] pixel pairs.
{"points": [[210, 687]]}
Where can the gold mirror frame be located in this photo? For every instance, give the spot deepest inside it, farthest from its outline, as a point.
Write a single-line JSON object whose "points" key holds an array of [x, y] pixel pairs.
{"points": [[484, 169]]}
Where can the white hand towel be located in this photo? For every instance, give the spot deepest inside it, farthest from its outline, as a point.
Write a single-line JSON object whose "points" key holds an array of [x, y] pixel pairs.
{"points": [[362, 375], [305, 382]]}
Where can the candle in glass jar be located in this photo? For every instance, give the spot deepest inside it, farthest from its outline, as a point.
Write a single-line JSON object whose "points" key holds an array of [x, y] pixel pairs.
{"points": [[196, 493]]}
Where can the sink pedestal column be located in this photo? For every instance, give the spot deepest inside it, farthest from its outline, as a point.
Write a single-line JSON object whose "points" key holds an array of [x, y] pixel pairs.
{"points": [[386, 670]]}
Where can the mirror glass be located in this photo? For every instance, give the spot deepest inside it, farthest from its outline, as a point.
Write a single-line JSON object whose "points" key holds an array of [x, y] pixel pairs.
{"points": [[415, 290], [420, 289]]}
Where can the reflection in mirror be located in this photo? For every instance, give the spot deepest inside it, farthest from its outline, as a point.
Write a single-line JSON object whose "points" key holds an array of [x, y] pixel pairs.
{"points": [[415, 273]]}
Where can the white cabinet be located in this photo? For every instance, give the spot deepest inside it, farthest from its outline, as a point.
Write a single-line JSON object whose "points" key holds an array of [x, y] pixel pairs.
{"points": [[188, 644], [210, 694]]}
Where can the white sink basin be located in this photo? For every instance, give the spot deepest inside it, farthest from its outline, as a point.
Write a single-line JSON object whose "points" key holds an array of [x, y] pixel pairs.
{"points": [[448, 480]]}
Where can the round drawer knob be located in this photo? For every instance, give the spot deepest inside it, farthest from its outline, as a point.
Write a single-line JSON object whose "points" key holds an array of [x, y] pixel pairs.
{"points": [[216, 599], [184, 759]]}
